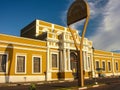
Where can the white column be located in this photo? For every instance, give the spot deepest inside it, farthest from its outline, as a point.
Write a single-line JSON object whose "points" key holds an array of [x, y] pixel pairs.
{"points": [[68, 59], [61, 61], [92, 64], [64, 60], [48, 72], [37, 28], [84, 60], [113, 66]]}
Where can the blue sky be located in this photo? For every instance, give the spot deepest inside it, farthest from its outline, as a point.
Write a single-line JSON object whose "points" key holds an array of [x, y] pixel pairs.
{"points": [[103, 28]]}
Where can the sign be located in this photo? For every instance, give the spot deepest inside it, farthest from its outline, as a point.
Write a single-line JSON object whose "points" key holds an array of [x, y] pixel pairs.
{"points": [[77, 11]]}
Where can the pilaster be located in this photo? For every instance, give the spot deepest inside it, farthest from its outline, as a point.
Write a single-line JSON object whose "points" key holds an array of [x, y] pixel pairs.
{"points": [[48, 72], [113, 66]]}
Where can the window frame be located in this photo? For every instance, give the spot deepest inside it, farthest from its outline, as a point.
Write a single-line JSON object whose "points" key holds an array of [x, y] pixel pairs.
{"points": [[89, 62], [102, 65], [25, 64], [33, 64], [57, 60], [110, 66], [6, 63], [98, 64], [116, 68]]}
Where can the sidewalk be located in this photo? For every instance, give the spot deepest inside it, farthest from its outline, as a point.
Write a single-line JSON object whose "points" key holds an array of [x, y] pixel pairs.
{"points": [[36, 83], [69, 84]]}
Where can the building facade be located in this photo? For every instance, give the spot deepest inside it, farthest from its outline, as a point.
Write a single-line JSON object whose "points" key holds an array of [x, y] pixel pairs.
{"points": [[46, 51]]}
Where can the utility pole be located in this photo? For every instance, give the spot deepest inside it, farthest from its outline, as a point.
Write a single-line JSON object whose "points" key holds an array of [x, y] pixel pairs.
{"points": [[79, 10]]}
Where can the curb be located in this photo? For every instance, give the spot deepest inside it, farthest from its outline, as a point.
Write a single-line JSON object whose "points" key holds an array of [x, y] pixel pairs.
{"points": [[37, 83], [95, 85], [82, 88], [11, 85]]}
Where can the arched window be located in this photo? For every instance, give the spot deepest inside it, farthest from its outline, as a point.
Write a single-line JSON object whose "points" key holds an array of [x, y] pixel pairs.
{"points": [[73, 62]]}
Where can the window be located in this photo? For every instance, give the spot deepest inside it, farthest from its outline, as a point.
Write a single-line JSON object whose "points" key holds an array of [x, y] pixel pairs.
{"points": [[109, 66], [73, 61], [103, 65], [3, 60], [54, 61], [88, 62], [20, 64], [97, 65], [36, 64], [116, 64]]}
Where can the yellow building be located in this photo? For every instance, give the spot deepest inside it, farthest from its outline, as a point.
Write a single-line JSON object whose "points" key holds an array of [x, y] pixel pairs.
{"points": [[46, 51], [108, 61]]}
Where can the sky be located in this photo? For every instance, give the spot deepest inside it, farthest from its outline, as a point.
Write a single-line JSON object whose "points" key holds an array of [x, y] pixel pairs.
{"points": [[103, 27]]}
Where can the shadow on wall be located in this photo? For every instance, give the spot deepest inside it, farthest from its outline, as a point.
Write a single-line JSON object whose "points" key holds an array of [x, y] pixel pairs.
{"points": [[9, 50]]}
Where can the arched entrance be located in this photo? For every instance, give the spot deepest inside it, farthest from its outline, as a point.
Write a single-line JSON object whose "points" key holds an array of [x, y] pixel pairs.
{"points": [[73, 63]]}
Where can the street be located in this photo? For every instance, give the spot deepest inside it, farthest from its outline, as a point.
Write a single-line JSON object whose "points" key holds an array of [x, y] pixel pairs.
{"points": [[109, 84], [112, 86], [47, 86]]}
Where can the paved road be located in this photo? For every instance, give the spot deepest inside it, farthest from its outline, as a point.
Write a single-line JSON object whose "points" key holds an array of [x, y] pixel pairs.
{"points": [[50, 86], [111, 84]]}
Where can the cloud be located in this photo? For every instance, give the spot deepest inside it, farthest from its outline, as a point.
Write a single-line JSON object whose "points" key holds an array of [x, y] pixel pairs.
{"points": [[107, 35], [104, 23], [64, 17]]}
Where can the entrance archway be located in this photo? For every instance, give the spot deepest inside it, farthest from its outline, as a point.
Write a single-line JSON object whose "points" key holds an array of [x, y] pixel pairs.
{"points": [[73, 63]]}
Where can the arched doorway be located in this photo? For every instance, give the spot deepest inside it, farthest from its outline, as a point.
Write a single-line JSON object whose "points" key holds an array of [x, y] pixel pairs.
{"points": [[73, 63]]}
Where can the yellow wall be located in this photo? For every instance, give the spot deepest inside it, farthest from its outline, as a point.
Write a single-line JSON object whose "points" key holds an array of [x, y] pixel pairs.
{"points": [[100, 56], [22, 46]]}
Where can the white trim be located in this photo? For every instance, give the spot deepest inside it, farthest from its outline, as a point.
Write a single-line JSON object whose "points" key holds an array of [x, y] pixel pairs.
{"points": [[22, 48], [48, 59], [53, 28], [22, 44], [37, 28], [21, 54], [55, 70], [5, 53], [40, 64], [117, 73], [63, 30], [48, 64], [30, 39], [69, 66], [64, 59], [43, 26], [103, 55], [70, 79], [109, 74], [113, 66], [116, 58], [21, 78]]}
